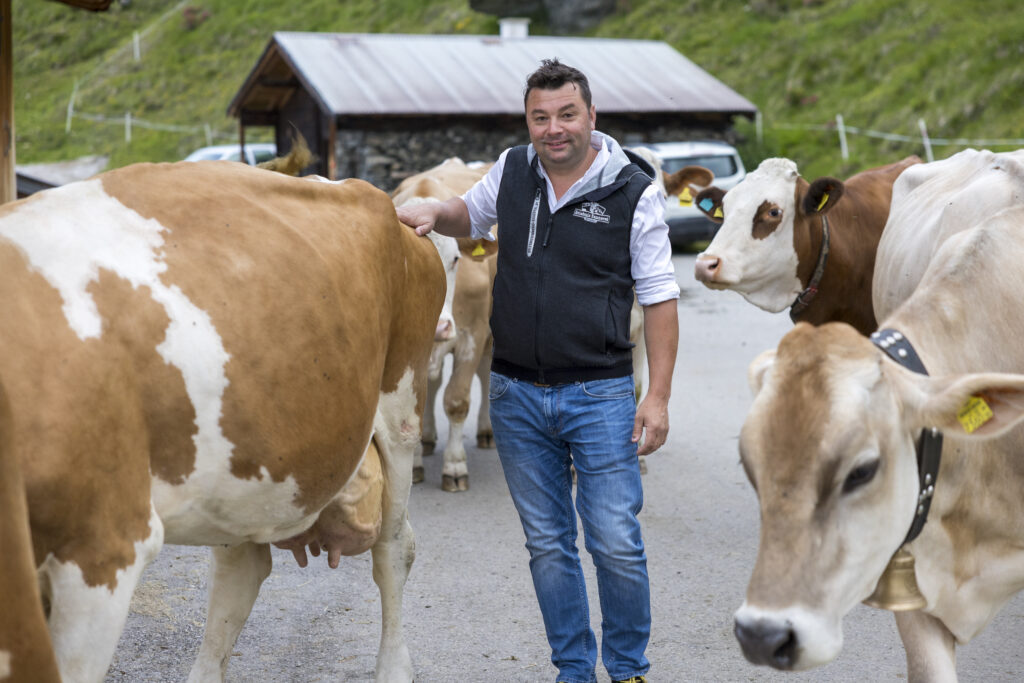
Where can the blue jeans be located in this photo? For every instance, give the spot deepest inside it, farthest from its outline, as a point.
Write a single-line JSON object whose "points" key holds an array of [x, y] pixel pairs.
{"points": [[540, 432]]}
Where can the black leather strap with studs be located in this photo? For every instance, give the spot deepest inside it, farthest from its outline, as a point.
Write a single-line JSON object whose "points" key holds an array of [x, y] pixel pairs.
{"points": [[929, 443]]}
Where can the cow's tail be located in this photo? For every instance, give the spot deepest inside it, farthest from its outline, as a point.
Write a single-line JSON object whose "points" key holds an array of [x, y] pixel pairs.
{"points": [[292, 163], [25, 649]]}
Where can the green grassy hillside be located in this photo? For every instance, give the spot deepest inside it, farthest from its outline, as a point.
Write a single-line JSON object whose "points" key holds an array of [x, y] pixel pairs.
{"points": [[881, 64]]}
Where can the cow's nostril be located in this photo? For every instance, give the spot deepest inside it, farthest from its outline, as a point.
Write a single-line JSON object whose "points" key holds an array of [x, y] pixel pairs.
{"points": [[785, 655], [765, 642]]}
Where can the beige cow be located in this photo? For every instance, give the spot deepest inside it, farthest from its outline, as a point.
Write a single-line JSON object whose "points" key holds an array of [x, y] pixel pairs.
{"points": [[199, 354], [470, 346], [829, 443]]}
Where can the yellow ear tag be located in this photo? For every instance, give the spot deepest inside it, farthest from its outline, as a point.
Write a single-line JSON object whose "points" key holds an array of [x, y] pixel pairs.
{"points": [[718, 212], [974, 413], [479, 250], [685, 198], [824, 199]]}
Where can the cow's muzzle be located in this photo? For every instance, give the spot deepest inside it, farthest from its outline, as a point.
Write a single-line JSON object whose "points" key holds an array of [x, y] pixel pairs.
{"points": [[766, 642]]}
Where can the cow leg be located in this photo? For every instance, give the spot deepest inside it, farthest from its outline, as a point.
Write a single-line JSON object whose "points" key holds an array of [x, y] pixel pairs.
{"points": [[930, 647], [86, 621], [455, 474], [396, 432], [484, 432], [429, 436], [236, 574]]}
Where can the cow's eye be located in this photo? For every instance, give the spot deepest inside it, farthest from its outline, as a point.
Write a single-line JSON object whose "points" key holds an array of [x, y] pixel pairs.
{"points": [[775, 213], [860, 475]]}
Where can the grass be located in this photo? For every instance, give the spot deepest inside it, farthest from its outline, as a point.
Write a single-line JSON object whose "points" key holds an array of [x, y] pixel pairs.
{"points": [[882, 64]]}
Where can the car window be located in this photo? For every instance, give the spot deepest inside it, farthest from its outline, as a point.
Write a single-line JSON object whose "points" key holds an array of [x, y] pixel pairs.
{"points": [[721, 166], [263, 155], [234, 156], [207, 155]]}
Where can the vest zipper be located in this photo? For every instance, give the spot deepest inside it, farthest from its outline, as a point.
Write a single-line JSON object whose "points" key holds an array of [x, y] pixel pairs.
{"points": [[533, 223]]}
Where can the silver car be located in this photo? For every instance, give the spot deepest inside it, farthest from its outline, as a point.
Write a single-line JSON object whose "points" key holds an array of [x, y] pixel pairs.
{"points": [[255, 153], [686, 224]]}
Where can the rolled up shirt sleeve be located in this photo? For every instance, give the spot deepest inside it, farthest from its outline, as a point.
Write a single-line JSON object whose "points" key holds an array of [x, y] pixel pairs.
{"points": [[651, 251], [482, 201]]}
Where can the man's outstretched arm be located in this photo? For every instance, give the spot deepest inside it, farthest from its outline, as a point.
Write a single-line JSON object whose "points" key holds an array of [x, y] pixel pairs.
{"points": [[450, 217]]}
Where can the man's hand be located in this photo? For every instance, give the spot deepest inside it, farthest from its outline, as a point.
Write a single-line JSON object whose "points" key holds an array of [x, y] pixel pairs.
{"points": [[450, 217], [420, 217], [651, 423]]}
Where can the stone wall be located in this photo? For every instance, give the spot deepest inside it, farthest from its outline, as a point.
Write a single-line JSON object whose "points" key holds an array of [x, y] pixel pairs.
{"points": [[386, 156]]}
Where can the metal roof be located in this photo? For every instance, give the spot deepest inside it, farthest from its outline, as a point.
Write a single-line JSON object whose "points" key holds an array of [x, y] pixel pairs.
{"points": [[358, 74]]}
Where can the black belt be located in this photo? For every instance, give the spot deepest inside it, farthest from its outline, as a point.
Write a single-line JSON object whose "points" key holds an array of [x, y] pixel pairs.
{"points": [[552, 376]]}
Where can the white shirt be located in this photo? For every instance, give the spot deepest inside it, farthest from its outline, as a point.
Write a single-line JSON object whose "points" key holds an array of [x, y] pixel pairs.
{"points": [[649, 247]]}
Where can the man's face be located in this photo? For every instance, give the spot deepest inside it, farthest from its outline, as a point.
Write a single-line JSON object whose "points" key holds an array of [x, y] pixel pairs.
{"points": [[560, 125]]}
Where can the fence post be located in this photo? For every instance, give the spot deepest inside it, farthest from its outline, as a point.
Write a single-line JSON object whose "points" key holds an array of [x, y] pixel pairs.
{"points": [[843, 149], [759, 127], [135, 46], [927, 141], [71, 109], [127, 126], [209, 134]]}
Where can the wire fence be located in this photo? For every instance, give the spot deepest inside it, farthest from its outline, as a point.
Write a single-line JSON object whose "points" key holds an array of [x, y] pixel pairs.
{"points": [[842, 130], [129, 122]]}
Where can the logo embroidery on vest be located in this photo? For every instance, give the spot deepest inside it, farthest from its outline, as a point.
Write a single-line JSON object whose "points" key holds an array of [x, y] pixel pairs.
{"points": [[592, 212]]}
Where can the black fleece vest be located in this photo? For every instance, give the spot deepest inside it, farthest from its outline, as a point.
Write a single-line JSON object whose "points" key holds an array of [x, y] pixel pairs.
{"points": [[563, 289]]}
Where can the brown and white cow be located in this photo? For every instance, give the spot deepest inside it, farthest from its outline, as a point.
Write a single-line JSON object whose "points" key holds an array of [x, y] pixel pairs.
{"points": [[770, 246], [829, 446], [200, 354], [470, 345]]}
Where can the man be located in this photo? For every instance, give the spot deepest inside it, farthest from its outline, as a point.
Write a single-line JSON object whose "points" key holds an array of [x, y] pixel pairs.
{"points": [[580, 223]]}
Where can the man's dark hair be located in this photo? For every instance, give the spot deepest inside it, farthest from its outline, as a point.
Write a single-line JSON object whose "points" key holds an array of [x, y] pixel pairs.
{"points": [[552, 75]]}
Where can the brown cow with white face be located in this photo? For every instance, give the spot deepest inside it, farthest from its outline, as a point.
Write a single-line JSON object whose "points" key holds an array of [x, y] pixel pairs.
{"points": [[770, 246], [829, 446], [211, 354]]}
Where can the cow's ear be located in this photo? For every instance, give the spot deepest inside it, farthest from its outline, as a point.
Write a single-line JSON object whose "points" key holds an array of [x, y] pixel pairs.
{"points": [[977, 405], [710, 202], [679, 183], [822, 195], [477, 250]]}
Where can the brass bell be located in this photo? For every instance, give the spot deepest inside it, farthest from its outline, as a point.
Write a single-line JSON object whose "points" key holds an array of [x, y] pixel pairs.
{"points": [[897, 589]]}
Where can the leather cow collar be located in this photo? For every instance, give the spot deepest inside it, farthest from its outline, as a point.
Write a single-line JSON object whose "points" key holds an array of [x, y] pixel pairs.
{"points": [[804, 298], [929, 443]]}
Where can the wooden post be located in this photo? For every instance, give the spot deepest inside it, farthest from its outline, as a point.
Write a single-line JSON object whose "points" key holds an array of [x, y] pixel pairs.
{"points": [[843, 149], [8, 177]]}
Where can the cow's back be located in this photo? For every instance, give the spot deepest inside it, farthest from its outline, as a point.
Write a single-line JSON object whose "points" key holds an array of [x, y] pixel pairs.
{"points": [[933, 201]]}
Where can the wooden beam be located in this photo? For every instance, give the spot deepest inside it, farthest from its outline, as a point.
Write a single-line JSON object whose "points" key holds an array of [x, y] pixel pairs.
{"points": [[8, 179]]}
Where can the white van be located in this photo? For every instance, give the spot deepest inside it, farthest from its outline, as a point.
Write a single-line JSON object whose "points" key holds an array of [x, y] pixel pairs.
{"points": [[686, 224], [255, 153]]}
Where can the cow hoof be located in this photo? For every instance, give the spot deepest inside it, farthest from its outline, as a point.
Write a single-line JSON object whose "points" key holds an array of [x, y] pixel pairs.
{"points": [[428, 447], [485, 440], [455, 484], [643, 464], [417, 475]]}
